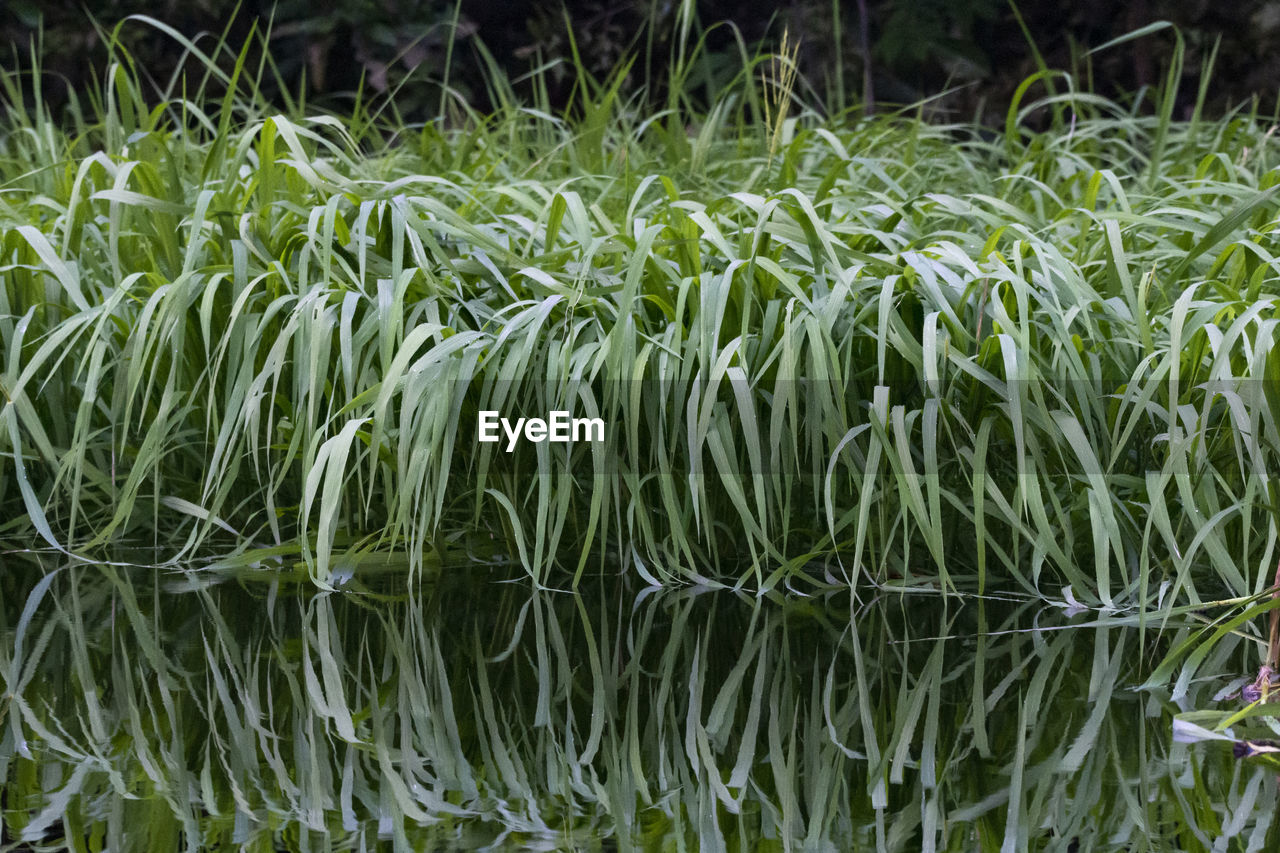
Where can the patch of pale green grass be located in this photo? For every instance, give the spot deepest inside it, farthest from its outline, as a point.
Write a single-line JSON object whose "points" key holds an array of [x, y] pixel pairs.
{"points": [[827, 351]]}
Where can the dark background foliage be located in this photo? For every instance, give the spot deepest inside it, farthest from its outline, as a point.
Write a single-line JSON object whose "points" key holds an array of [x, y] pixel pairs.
{"points": [[977, 50]]}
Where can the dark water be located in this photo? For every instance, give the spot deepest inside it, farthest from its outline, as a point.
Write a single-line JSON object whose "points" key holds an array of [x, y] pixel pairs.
{"points": [[148, 709]]}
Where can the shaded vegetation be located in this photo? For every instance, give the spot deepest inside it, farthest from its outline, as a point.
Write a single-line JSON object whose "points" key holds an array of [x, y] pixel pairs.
{"points": [[967, 56]]}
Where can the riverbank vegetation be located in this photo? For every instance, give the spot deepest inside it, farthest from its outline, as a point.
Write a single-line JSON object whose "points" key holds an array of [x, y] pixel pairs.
{"points": [[950, 446], [841, 350]]}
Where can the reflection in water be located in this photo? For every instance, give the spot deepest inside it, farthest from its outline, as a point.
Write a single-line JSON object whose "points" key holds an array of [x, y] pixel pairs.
{"points": [[150, 710]]}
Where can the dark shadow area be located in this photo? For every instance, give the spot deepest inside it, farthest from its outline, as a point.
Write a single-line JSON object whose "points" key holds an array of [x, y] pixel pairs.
{"points": [[850, 52]]}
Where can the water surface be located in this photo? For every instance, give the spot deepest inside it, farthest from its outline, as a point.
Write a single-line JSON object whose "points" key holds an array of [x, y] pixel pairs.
{"points": [[153, 709]]}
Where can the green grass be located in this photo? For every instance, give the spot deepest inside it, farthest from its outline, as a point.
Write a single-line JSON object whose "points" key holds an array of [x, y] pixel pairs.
{"points": [[244, 352], [828, 351]]}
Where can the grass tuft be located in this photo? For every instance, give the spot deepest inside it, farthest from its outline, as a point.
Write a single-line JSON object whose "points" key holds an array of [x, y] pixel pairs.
{"points": [[882, 352]]}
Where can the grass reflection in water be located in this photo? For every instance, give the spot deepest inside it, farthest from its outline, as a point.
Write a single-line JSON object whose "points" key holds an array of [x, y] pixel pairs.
{"points": [[150, 710]]}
